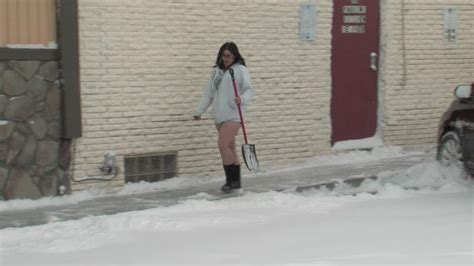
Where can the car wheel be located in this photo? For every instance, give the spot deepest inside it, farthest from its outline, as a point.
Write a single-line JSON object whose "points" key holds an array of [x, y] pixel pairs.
{"points": [[450, 150]]}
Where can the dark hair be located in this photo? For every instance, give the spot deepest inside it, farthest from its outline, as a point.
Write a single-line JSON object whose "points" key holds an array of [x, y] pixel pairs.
{"points": [[231, 47]]}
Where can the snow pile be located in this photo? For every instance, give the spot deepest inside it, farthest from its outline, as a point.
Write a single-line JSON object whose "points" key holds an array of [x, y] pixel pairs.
{"points": [[52, 201], [429, 175], [373, 142], [355, 157], [426, 176], [360, 156], [169, 184]]}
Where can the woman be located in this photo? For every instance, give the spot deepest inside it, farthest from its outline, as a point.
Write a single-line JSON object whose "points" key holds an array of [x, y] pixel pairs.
{"points": [[219, 92]]}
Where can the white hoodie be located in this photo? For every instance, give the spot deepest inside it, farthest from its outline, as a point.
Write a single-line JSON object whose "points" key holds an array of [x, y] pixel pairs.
{"points": [[220, 92]]}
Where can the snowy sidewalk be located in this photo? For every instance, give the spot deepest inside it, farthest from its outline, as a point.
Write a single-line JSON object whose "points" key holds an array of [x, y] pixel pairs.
{"points": [[294, 179]]}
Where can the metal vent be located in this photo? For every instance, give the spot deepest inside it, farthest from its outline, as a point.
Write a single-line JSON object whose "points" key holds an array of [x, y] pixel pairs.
{"points": [[150, 167]]}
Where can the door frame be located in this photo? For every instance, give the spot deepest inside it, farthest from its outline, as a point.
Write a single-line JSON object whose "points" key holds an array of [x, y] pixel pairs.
{"points": [[378, 139]]}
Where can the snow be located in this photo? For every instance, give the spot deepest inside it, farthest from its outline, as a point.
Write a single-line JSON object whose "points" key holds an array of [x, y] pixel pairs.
{"points": [[420, 216], [372, 142], [190, 181], [50, 45]]}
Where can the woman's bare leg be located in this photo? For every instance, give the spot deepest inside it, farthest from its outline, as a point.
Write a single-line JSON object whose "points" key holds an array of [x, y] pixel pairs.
{"points": [[226, 142]]}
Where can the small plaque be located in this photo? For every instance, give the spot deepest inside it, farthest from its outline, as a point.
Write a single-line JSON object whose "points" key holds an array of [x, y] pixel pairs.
{"points": [[353, 29], [354, 9], [355, 19], [308, 22]]}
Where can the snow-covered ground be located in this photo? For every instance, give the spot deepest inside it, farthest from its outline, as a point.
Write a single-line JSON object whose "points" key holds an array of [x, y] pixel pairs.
{"points": [[431, 224]]}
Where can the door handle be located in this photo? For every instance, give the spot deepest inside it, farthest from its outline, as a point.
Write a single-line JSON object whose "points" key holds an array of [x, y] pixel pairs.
{"points": [[373, 61]]}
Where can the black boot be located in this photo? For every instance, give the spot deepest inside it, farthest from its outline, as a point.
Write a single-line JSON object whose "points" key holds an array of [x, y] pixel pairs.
{"points": [[228, 177], [234, 181], [237, 177]]}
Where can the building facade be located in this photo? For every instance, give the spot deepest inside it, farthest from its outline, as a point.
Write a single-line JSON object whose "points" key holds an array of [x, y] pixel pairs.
{"points": [[326, 73]]}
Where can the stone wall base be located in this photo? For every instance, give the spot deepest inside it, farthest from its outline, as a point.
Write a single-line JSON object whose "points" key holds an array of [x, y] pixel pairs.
{"points": [[34, 159]]}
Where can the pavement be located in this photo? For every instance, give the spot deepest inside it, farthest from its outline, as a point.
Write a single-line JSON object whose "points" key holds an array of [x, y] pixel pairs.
{"points": [[294, 180]]}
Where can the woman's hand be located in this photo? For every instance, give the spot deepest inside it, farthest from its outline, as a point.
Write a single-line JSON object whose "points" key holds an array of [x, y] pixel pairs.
{"points": [[238, 100]]}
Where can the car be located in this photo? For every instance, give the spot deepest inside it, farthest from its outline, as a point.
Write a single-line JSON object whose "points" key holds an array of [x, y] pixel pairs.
{"points": [[456, 131]]}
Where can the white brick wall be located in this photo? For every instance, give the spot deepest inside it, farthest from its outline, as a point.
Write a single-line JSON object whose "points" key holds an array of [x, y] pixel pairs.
{"points": [[144, 63], [421, 68]]}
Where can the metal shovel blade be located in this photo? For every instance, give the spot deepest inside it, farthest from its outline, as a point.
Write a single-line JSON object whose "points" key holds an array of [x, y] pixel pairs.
{"points": [[250, 157]]}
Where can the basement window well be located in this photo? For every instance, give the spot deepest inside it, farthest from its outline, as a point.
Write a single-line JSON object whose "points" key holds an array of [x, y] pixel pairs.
{"points": [[150, 167]]}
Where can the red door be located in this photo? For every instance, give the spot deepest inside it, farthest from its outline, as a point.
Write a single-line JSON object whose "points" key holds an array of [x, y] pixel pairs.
{"points": [[354, 63]]}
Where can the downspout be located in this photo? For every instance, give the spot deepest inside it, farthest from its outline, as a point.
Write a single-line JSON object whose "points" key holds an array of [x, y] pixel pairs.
{"points": [[404, 65]]}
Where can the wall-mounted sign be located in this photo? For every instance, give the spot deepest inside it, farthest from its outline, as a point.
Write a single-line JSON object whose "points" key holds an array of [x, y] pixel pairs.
{"points": [[354, 9], [308, 22], [450, 23], [354, 19], [354, 23], [353, 29]]}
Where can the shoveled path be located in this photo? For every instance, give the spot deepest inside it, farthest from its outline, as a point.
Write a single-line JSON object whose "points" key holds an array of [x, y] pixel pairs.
{"points": [[291, 179]]}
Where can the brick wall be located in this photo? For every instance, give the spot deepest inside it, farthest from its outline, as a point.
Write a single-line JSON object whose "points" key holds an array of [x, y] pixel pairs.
{"points": [[144, 64], [421, 67]]}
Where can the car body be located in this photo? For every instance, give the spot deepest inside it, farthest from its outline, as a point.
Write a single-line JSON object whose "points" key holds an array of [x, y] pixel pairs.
{"points": [[456, 130]]}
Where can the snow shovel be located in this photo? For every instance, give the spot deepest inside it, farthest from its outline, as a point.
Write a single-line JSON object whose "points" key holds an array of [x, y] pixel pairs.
{"points": [[248, 150]]}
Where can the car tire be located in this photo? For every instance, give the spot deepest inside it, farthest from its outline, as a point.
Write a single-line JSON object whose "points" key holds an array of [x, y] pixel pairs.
{"points": [[450, 150]]}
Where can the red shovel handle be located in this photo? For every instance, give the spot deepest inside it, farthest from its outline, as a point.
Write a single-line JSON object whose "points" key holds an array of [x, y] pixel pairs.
{"points": [[231, 71]]}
